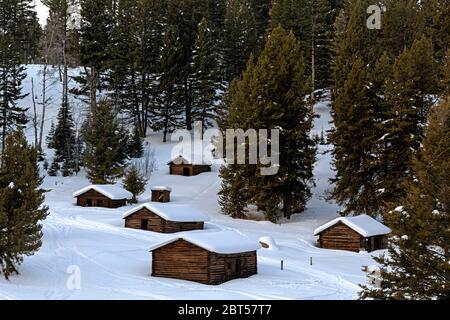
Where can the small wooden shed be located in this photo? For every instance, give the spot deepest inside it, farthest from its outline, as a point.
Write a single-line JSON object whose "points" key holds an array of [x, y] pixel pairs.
{"points": [[165, 218], [105, 196], [359, 233], [208, 257], [161, 194], [183, 165]]}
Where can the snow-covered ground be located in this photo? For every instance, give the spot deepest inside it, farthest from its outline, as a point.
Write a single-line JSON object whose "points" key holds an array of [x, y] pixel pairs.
{"points": [[115, 263]]}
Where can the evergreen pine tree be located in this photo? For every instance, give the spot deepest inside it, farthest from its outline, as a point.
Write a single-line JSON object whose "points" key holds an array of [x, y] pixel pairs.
{"points": [[183, 17], [312, 22], [136, 49], [234, 195], [408, 95], [67, 168], [355, 137], [445, 83], [241, 39], [50, 139], [352, 41], [45, 165], [134, 182], [21, 203], [261, 8], [106, 146], [437, 25], [135, 144], [15, 16], [206, 81], [93, 48], [403, 22], [54, 169], [64, 137], [417, 263], [272, 95], [168, 117], [283, 87]]}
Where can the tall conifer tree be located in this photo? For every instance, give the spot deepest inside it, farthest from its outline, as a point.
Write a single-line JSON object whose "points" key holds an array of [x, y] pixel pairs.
{"points": [[206, 78], [15, 16], [241, 38], [272, 95], [106, 146], [21, 203], [409, 98], [417, 265]]}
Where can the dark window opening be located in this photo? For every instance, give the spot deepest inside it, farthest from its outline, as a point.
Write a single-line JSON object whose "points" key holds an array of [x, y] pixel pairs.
{"points": [[186, 172], [89, 202], [144, 224]]}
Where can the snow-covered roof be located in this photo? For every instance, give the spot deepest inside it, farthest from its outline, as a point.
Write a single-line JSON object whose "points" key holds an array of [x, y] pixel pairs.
{"points": [[363, 224], [171, 212], [222, 242], [190, 159], [161, 188], [111, 191]]}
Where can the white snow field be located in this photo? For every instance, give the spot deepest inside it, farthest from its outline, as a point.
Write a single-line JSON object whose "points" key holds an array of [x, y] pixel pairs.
{"points": [[115, 263]]}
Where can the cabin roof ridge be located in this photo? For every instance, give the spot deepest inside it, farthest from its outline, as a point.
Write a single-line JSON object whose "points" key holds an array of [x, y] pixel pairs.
{"points": [[363, 224]]}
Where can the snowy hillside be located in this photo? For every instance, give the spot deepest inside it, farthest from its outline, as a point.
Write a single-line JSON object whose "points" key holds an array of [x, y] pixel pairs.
{"points": [[115, 262]]}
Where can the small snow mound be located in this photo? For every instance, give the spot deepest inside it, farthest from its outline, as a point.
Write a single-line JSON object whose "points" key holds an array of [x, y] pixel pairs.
{"points": [[268, 243]]}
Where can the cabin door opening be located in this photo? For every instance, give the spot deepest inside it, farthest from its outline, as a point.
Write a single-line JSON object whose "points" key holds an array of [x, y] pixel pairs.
{"points": [[370, 244], [378, 243], [186, 172], [89, 203], [233, 268], [144, 224], [100, 203]]}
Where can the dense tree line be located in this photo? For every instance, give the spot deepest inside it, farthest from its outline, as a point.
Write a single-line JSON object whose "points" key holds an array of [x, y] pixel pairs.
{"points": [[385, 83], [391, 141]]}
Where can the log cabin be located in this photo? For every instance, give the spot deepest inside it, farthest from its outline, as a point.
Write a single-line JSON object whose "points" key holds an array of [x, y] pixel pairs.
{"points": [[165, 218], [207, 257], [359, 233], [104, 196], [183, 165], [161, 194]]}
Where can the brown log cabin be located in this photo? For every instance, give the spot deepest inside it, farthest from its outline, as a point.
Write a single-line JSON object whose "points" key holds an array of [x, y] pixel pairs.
{"points": [[165, 218], [104, 196], [161, 194], [183, 166], [210, 258], [359, 233]]}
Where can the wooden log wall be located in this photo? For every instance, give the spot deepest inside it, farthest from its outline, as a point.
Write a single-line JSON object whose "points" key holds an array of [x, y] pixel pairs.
{"points": [[158, 224], [181, 260], [155, 222], [341, 237], [96, 198], [192, 169], [162, 196], [219, 271]]}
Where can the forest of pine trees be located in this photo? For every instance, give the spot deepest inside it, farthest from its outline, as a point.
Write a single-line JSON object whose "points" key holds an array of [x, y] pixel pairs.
{"points": [[161, 65]]}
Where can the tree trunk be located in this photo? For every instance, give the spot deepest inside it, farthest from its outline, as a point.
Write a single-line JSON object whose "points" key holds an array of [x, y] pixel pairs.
{"points": [[44, 104], [313, 50], [287, 205], [188, 105], [35, 124], [5, 109], [93, 81]]}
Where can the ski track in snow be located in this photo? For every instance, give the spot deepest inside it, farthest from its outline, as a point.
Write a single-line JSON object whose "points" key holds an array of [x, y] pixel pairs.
{"points": [[115, 262]]}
